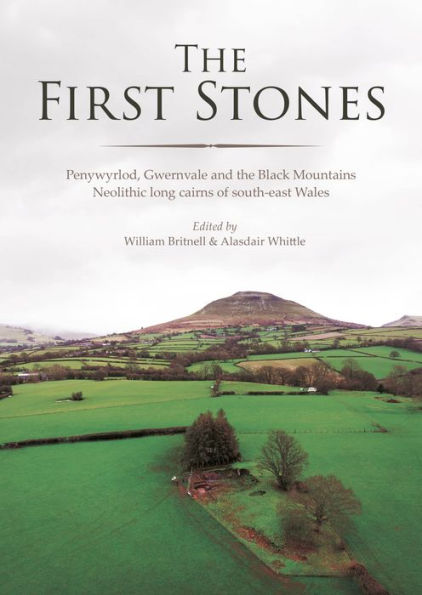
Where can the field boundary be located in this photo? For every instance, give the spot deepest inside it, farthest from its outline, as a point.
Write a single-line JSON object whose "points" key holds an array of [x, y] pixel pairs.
{"points": [[97, 436]]}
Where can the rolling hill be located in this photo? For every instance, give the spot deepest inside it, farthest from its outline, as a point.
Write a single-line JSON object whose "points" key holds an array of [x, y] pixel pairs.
{"points": [[11, 336], [14, 336], [406, 321], [244, 308]]}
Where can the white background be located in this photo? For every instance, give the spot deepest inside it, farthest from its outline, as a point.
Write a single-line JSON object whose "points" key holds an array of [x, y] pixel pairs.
{"points": [[63, 262]]}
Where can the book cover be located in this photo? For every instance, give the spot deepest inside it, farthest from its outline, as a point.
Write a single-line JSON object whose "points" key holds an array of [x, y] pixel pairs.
{"points": [[211, 323]]}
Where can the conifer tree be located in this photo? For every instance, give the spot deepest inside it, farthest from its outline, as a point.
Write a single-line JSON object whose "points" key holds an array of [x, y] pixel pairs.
{"points": [[210, 441]]}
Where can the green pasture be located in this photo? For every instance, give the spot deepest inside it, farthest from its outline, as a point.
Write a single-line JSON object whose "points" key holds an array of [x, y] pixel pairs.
{"points": [[226, 365], [378, 366], [384, 334], [79, 363], [105, 518], [371, 359], [35, 410], [385, 350], [104, 510]]}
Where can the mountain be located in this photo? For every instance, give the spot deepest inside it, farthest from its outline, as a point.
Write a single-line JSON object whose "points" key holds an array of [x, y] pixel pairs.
{"points": [[406, 320], [13, 336], [243, 308]]}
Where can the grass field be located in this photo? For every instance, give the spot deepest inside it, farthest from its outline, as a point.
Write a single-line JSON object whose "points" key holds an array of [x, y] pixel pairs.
{"points": [[376, 360], [288, 363], [78, 363], [112, 522], [225, 365], [385, 351], [93, 518]]}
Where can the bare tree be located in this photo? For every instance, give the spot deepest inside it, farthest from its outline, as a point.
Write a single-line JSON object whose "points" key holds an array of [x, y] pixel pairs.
{"points": [[329, 501], [283, 456]]}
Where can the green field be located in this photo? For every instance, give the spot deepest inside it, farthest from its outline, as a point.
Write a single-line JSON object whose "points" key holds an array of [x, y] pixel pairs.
{"points": [[379, 367], [104, 518], [385, 351], [79, 363], [376, 360], [226, 365]]}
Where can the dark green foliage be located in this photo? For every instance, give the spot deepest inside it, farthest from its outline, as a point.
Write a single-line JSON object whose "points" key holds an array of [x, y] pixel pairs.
{"points": [[210, 441], [283, 456]]}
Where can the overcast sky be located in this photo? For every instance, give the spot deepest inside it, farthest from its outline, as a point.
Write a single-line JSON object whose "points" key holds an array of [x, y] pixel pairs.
{"points": [[64, 264]]}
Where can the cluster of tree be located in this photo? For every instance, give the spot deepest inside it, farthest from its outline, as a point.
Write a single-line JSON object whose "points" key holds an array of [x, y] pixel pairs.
{"points": [[261, 348], [325, 500], [318, 375], [230, 349], [210, 441], [354, 378], [9, 380], [404, 382]]}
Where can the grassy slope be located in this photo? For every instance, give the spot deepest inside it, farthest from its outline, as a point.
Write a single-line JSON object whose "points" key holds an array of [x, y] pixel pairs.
{"points": [[111, 522], [385, 350], [33, 411], [378, 366], [381, 468]]}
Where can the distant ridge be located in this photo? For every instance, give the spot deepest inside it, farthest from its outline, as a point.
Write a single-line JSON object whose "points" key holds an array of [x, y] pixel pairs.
{"points": [[406, 320], [14, 336], [243, 308]]}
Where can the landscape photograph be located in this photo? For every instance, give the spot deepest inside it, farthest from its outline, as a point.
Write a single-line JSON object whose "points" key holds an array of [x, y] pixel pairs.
{"points": [[254, 446]]}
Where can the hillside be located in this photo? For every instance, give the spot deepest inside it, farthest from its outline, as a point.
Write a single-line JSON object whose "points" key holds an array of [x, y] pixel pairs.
{"points": [[244, 308], [11, 336], [406, 321]]}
